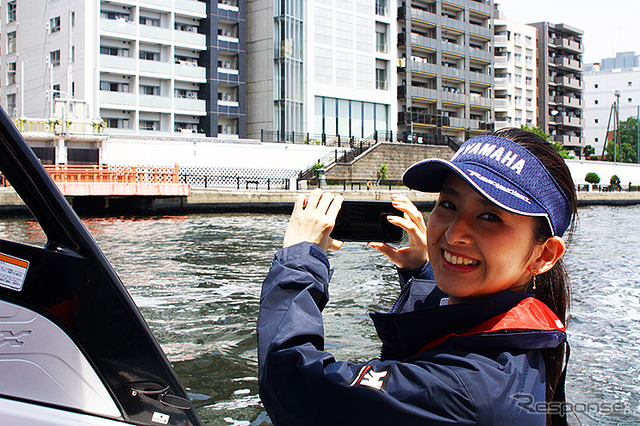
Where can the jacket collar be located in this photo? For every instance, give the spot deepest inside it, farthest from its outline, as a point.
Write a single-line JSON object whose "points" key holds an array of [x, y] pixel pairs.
{"points": [[418, 323]]}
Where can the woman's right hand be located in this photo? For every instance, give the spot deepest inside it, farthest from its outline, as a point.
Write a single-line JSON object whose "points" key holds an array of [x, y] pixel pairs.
{"points": [[415, 255], [313, 220]]}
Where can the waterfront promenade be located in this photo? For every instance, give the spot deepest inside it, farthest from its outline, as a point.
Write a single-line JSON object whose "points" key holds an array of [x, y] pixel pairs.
{"points": [[221, 200]]}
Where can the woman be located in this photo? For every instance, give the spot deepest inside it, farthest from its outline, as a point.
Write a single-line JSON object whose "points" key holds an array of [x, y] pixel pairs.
{"points": [[476, 335]]}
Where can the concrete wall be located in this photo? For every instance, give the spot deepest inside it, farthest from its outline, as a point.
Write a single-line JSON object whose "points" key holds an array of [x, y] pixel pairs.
{"points": [[210, 152], [397, 156], [626, 172]]}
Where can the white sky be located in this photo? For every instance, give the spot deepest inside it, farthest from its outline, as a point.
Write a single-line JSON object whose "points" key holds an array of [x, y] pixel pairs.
{"points": [[609, 26]]}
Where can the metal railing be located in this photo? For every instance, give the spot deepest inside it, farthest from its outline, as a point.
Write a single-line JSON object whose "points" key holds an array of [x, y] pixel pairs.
{"points": [[234, 182], [109, 174]]}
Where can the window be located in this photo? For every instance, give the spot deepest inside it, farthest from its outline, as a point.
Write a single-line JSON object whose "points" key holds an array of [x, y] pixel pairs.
{"points": [[630, 83], [381, 42], [73, 19], [148, 56], [11, 11], [149, 90], [11, 42], [73, 54], [54, 58], [595, 85], [629, 100], [54, 25], [596, 102], [381, 7], [149, 125], [11, 104], [152, 22], [56, 91], [11, 73], [381, 79], [596, 120]]}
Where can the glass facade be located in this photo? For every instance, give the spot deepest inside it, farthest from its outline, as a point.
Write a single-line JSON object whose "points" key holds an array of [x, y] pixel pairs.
{"points": [[288, 63], [350, 118]]}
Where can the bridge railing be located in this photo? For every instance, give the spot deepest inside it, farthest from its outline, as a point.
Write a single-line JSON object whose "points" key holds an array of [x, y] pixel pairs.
{"points": [[111, 174]]}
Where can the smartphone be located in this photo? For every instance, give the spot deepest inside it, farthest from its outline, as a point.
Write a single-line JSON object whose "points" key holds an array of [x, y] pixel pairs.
{"points": [[367, 221]]}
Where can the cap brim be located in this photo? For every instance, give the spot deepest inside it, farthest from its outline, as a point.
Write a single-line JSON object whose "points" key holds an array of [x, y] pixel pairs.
{"points": [[429, 176]]}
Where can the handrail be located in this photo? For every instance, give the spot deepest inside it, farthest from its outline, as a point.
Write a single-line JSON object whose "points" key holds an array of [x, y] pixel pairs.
{"points": [[113, 174]]}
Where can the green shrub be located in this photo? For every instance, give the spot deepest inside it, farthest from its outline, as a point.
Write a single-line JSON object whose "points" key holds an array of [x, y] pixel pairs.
{"points": [[592, 178]]}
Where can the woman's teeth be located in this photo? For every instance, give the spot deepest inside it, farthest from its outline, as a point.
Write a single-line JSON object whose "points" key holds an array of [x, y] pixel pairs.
{"points": [[459, 260]]}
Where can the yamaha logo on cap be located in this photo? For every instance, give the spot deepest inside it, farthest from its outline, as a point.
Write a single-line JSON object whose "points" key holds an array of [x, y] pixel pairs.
{"points": [[502, 171]]}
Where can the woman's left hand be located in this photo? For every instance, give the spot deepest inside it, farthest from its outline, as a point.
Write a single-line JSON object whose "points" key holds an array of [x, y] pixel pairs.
{"points": [[312, 221], [415, 255]]}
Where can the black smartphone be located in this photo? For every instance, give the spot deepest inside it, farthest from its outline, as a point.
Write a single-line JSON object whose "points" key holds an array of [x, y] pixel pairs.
{"points": [[367, 221]]}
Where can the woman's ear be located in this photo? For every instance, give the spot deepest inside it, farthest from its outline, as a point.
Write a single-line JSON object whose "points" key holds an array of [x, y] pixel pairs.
{"points": [[548, 254]]}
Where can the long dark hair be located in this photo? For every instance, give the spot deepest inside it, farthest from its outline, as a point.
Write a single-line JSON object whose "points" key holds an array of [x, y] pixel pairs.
{"points": [[552, 287]]}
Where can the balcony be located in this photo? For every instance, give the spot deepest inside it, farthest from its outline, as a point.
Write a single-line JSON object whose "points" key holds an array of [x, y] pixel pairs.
{"points": [[502, 83], [121, 27], [429, 43], [571, 83], [564, 120], [190, 72], [500, 61], [190, 106], [569, 101], [565, 43], [157, 34], [501, 104], [153, 4], [191, 8], [570, 64], [568, 140], [154, 102], [480, 101], [120, 63], [155, 67], [117, 99], [191, 39], [500, 40]]}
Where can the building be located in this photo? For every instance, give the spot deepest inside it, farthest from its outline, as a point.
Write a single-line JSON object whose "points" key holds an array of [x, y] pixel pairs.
{"points": [[603, 80], [561, 84], [143, 66], [445, 81], [515, 74], [319, 70]]}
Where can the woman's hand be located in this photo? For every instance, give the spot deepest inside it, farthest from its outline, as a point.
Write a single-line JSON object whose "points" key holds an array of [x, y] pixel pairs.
{"points": [[415, 255], [314, 220]]}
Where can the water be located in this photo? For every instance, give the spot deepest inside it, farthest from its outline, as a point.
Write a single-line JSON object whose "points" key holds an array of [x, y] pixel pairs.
{"points": [[197, 282]]}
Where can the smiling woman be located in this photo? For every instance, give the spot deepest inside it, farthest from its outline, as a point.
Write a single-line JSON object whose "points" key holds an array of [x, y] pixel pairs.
{"points": [[478, 328]]}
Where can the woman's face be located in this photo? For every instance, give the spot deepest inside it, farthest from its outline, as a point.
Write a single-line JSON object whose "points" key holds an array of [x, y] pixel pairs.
{"points": [[476, 248]]}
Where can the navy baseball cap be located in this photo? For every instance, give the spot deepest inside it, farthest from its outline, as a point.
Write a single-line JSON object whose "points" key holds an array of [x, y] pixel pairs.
{"points": [[502, 171]]}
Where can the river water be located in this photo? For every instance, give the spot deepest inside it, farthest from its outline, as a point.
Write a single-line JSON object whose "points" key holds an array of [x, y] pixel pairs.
{"points": [[197, 282]]}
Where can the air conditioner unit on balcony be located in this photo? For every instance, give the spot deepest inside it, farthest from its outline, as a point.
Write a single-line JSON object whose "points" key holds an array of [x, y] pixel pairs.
{"points": [[227, 65]]}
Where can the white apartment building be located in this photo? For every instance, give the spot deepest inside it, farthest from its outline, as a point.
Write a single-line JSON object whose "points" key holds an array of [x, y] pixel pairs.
{"points": [[602, 80], [515, 74], [132, 63], [332, 72]]}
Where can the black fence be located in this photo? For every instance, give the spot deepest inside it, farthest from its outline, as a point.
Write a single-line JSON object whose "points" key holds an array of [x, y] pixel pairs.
{"points": [[353, 185], [235, 182], [340, 141], [237, 178]]}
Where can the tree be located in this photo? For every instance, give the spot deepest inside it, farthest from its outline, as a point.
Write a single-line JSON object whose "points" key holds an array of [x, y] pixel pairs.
{"points": [[588, 151], [627, 152], [556, 145], [615, 181], [592, 178]]}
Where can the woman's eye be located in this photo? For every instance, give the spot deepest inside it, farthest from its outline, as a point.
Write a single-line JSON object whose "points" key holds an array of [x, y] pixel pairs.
{"points": [[447, 204], [491, 217]]}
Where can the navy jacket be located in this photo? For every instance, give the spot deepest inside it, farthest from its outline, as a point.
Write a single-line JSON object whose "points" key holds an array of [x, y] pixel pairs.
{"points": [[473, 363]]}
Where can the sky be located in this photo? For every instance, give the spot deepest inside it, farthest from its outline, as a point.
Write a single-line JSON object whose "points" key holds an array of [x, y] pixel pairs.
{"points": [[609, 26]]}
